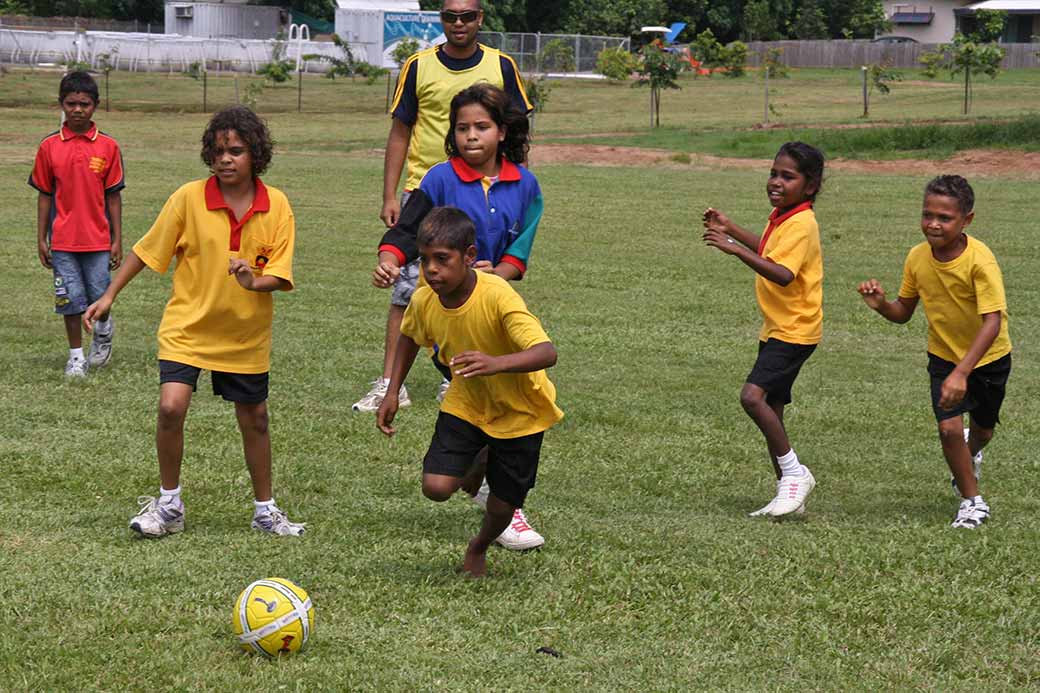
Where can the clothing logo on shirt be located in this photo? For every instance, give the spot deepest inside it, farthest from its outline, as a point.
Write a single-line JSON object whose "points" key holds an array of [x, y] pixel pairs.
{"points": [[262, 257], [97, 164]]}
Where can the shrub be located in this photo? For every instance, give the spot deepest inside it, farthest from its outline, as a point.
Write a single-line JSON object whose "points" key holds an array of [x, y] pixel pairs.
{"points": [[538, 91], [558, 56], [733, 57], [616, 64], [405, 49], [773, 60], [280, 69]]}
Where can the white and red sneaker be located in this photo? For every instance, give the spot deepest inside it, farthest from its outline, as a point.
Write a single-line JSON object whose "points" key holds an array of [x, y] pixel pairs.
{"points": [[791, 493], [519, 535]]}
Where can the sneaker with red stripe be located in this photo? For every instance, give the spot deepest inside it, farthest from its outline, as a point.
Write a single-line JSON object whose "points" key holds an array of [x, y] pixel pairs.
{"points": [[791, 493], [519, 535]]}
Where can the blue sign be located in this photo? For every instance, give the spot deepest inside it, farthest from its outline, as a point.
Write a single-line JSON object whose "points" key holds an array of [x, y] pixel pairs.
{"points": [[424, 27]]}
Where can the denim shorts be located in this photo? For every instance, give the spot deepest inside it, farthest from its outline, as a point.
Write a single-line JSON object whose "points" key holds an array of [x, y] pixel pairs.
{"points": [[79, 280]]}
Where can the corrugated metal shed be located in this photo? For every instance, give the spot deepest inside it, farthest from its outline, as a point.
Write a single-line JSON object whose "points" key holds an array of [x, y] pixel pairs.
{"points": [[223, 20]]}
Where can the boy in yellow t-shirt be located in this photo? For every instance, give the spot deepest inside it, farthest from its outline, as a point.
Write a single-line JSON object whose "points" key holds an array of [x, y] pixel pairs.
{"points": [[969, 352], [501, 402], [233, 240]]}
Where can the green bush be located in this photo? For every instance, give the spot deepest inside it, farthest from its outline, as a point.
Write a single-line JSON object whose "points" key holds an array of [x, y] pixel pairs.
{"points": [[733, 57], [616, 64], [538, 91], [405, 49], [558, 56], [706, 48], [773, 60]]}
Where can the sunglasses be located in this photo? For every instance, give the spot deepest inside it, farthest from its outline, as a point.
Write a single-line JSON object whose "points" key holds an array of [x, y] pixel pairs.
{"points": [[464, 17]]}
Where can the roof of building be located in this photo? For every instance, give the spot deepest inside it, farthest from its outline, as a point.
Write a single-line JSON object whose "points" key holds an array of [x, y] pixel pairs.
{"points": [[1024, 6]]}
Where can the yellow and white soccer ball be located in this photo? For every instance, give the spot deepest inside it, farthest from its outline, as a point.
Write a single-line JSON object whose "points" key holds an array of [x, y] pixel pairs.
{"points": [[273, 617]]}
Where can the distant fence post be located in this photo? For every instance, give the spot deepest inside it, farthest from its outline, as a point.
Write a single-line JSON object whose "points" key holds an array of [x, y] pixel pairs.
{"points": [[765, 117]]}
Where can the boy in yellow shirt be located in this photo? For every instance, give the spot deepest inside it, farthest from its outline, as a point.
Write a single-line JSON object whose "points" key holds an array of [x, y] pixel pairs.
{"points": [[501, 402], [969, 351], [233, 240]]}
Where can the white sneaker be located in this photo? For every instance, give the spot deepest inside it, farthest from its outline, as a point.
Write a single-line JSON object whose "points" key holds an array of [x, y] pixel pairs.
{"points": [[442, 391], [976, 465], [157, 519], [275, 521], [76, 367], [372, 400], [101, 347], [791, 492], [971, 514], [519, 535], [767, 509]]}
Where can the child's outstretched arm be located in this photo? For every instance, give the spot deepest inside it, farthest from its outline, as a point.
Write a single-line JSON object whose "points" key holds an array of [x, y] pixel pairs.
{"points": [[956, 384], [717, 221], [898, 311], [474, 363], [98, 310], [404, 357], [247, 280], [721, 233]]}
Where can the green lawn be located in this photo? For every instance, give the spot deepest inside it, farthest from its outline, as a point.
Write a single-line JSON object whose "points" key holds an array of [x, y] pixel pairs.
{"points": [[652, 577]]}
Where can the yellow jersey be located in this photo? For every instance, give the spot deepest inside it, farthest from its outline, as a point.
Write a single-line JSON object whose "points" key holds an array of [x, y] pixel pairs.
{"points": [[210, 321], [956, 294], [792, 313], [495, 321]]}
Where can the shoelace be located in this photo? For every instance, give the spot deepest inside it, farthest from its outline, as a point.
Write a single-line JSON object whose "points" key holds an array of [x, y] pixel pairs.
{"points": [[519, 523]]}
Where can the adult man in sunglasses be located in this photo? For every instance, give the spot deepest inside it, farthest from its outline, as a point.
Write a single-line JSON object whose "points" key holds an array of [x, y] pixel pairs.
{"points": [[421, 109]]}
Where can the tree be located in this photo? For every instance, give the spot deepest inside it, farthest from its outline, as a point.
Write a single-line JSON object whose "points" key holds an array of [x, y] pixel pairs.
{"points": [[612, 17], [865, 19], [810, 23], [660, 70], [965, 56]]}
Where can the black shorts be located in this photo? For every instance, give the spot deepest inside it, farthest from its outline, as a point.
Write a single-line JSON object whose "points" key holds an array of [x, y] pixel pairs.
{"points": [[512, 462], [777, 367], [986, 385], [244, 388]]}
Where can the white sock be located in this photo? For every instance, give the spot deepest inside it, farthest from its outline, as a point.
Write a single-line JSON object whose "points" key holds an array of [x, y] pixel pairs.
{"points": [[76, 353], [789, 464], [261, 507], [103, 327], [170, 496]]}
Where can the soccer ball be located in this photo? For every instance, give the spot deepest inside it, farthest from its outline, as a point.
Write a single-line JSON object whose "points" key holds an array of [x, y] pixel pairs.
{"points": [[273, 617]]}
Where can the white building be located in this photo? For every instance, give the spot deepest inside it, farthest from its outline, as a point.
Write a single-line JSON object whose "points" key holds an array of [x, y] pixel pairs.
{"points": [[938, 20], [224, 19], [373, 28]]}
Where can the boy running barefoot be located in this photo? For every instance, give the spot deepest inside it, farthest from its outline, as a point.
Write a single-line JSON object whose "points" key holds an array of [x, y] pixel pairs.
{"points": [[969, 351], [500, 397]]}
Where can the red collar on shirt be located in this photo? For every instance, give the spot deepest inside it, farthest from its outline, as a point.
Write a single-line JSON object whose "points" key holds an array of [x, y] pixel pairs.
{"points": [[67, 134], [775, 220], [215, 200], [509, 172]]}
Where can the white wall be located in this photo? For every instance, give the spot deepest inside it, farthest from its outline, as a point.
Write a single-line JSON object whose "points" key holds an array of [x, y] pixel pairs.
{"points": [[942, 28]]}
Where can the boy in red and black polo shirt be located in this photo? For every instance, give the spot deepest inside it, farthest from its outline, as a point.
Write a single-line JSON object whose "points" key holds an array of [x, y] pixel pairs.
{"points": [[79, 174]]}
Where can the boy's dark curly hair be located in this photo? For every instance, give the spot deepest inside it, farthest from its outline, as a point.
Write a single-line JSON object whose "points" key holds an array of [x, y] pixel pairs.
{"points": [[955, 187], [501, 109], [809, 161], [78, 81], [448, 227], [249, 127]]}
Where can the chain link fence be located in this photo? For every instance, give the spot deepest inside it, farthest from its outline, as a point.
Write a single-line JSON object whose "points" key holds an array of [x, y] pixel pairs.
{"points": [[553, 53]]}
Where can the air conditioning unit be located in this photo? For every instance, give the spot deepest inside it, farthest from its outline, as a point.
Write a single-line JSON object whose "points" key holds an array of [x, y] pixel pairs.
{"points": [[183, 11]]}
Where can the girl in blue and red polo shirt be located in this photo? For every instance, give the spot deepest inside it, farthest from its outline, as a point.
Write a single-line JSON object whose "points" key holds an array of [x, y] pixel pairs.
{"points": [[487, 142]]}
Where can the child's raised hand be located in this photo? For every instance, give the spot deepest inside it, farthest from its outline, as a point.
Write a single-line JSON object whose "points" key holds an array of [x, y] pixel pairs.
{"points": [[872, 293], [714, 219], [385, 274], [242, 271], [483, 266], [717, 238]]}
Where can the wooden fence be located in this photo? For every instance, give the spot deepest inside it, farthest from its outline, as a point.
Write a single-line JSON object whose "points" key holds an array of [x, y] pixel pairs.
{"points": [[855, 53]]}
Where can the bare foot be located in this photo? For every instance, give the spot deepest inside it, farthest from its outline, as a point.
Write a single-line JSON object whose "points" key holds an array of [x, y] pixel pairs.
{"points": [[474, 564]]}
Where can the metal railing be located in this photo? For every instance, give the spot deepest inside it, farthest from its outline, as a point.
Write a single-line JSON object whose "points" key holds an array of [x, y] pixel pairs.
{"points": [[553, 53]]}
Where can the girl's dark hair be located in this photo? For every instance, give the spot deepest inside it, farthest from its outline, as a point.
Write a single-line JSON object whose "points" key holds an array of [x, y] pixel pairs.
{"points": [[955, 187], [249, 127], [501, 109], [78, 81], [448, 227], [809, 161]]}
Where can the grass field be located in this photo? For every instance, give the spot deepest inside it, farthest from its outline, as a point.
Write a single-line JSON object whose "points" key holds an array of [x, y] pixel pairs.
{"points": [[652, 577]]}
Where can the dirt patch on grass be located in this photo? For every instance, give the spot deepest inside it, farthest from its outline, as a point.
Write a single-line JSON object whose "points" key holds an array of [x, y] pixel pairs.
{"points": [[976, 163]]}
